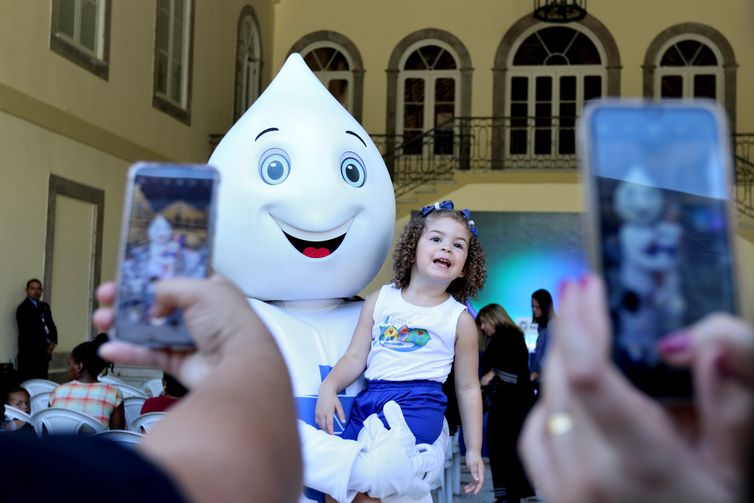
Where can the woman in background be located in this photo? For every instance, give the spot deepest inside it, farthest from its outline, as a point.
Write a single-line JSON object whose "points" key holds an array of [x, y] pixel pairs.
{"points": [[172, 392], [506, 366], [84, 393], [543, 313]]}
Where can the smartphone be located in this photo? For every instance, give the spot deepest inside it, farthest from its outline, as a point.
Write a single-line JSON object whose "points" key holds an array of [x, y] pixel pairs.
{"points": [[168, 226], [657, 182]]}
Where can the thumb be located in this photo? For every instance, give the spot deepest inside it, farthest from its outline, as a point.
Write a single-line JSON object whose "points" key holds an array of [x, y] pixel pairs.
{"points": [[394, 415], [425, 460], [417, 488]]}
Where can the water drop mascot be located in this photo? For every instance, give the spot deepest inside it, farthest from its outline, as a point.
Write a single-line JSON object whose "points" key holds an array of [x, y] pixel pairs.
{"points": [[305, 219], [639, 203]]}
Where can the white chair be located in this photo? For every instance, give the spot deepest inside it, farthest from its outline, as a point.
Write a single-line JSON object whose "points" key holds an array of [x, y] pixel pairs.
{"points": [[36, 386], [59, 421], [110, 379], [14, 413], [128, 391], [144, 422], [132, 408], [153, 387], [39, 402], [124, 437]]}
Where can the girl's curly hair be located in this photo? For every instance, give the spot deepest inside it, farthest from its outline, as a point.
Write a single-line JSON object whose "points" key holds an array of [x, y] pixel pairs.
{"points": [[475, 269]]}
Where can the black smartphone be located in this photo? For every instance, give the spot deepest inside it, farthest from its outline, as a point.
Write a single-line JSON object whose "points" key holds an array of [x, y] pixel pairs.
{"points": [[657, 181], [168, 226]]}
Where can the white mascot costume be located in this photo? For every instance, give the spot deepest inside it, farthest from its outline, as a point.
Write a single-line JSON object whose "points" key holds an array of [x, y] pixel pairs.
{"points": [[305, 220]]}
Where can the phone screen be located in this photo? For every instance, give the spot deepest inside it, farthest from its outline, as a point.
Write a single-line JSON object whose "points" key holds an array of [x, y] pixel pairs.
{"points": [[167, 233], [659, 190]]}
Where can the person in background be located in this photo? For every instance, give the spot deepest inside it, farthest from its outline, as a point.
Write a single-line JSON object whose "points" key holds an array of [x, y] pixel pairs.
{"points": [[173, 391], [506, 379], [235, 367], [543, 312], [19, 398], [593, 437], [37, 333], [84, 392]]}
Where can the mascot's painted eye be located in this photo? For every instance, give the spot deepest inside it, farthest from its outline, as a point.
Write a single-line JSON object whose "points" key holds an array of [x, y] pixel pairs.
{"points": [[353, 171], [274, 167]]}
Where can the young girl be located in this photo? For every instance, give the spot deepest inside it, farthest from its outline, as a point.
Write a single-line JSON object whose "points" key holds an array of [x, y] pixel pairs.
{"points": [[409, 332]]}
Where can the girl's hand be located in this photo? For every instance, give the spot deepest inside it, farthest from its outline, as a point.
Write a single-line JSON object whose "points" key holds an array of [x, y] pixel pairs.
{"points": [[327, 405], [487, 378], [476, 466]]}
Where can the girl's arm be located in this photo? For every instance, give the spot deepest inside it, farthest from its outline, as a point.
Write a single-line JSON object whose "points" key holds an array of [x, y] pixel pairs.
{"points": [[350, 366], [118, 418], [469, 398]]}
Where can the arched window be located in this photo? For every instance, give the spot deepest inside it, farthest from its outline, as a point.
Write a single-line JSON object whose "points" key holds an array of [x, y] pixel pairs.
{"points": [[428, 91], [554, 70], [332, 65], [543, 76], [689, 68], [691, 60], [337, 63], [248, 61]]}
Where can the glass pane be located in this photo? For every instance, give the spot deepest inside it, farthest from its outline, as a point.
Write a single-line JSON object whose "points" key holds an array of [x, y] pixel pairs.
{"points": [[443, 142], [531, 52], [413, 116], [176, 92], [705, 57], [568, 88], [672, 58], [583, 52], [567, 114], [162, 73], [671, 86], [339, 89], [543, 115], [338, 62], [542, 141], [431, 53], [518, 141], [444, 116], [178, 6], [519, 88], [445, 61], [412, 142], [89, 25], [414, 91], [705, 86], [519, 113], [688, 49], [445, 90], [312, 62], [415, 62], [557, 38], [592, 87], [176, 52], [543, 88], [567, 141], [66, 16]]}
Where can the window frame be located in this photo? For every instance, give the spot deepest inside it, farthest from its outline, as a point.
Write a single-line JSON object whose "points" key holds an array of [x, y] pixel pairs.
{"points": [[326, 76], [430, 77], [688, 72], [244, 97], [180, 110], [96, 62]]}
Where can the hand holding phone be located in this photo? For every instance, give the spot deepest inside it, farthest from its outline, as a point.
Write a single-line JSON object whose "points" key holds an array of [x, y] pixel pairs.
{"points": [[657, 184], [168, 225]]}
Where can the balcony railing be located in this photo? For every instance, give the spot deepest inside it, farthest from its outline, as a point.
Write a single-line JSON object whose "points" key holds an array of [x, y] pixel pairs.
{"points": [[495, 143]]}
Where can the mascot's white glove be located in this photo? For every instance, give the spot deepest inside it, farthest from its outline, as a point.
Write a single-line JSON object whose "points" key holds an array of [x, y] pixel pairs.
{"points": [[387, 464]]}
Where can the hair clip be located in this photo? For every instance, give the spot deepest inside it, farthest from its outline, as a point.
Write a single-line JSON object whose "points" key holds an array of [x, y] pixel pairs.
{"points": [[448, 205]]}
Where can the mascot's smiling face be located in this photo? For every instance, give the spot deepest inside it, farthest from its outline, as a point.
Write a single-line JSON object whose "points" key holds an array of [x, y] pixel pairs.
{"points": [[306, 207]]}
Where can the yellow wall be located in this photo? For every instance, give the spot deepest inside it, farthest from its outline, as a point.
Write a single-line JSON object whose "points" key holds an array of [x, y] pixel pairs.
{"points": [[376, 27]]}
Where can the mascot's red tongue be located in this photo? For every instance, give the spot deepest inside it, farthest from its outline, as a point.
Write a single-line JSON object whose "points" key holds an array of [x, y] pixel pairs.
{"points": [[312, 252]]}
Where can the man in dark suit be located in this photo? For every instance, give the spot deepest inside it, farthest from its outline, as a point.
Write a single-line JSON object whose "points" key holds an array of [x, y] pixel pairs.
{"points": [[37, 334]]}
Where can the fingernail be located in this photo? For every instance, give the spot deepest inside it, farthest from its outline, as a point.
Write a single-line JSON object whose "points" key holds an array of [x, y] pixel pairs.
{"points": [[675, 342]]}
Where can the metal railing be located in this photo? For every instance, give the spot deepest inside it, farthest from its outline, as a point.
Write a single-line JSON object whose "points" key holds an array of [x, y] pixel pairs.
{"points": [[494, 143]]}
